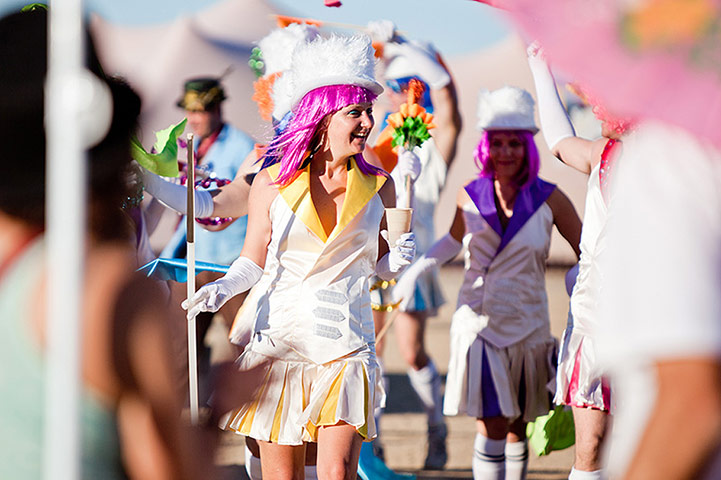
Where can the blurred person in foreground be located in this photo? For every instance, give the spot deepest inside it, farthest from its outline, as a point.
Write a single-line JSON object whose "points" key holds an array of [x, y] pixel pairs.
{"points": [[427, 165], [130, 410], [660, 335], [580, 381], [502, 354]]}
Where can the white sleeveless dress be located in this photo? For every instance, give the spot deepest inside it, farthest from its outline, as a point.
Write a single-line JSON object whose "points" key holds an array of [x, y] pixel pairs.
{"points": [[579, 381], [309, 317], [501, 329]]}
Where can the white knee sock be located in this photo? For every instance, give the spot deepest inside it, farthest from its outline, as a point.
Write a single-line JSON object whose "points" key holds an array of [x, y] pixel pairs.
{"points": [[489, 459], [583, 475], [516, 460], [252, 466], [310, 472], [427, 384]]}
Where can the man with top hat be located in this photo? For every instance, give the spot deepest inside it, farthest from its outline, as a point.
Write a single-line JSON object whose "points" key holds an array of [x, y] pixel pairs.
{"points": [[220, 150]]}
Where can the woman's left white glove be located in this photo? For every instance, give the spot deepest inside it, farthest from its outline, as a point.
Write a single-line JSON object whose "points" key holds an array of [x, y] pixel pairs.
{"points": [[176, 196], [409, 164], [242, 274], [398, 257]]}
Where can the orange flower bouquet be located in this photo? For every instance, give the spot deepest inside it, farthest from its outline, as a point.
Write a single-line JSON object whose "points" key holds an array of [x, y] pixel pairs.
{"points": [[411, 123]]}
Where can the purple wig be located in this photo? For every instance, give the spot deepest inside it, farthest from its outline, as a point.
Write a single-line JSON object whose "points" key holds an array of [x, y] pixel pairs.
{"points": [[289, 147], [530, 171]]}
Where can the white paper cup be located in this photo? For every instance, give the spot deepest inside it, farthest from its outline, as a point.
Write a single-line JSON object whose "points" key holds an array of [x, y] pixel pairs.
{"points": [[399, 222]]}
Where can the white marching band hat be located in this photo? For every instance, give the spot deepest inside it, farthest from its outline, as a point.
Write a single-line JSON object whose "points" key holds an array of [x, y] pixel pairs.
{"points": [[277, 47], [508, 108], [336, 60]]}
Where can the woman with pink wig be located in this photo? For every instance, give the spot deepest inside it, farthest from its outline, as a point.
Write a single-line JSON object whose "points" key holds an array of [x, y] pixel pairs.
{"points": [[315, 212], [502, 352], [580, 382]]}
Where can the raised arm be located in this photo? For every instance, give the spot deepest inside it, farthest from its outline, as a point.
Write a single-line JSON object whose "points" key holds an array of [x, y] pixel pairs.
{"points": [[579, 153], [447, 118]]}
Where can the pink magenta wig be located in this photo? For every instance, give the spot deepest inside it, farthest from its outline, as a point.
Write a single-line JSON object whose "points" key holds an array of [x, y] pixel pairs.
{"points": [[533, 162], [289, 147]]}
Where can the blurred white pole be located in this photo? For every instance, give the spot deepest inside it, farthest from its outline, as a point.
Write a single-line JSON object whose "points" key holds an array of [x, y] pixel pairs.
{"points": [[192, 329], [65, 204]]}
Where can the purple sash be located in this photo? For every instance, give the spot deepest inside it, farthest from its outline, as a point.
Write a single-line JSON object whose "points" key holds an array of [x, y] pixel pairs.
{"points": [[528, 200]]}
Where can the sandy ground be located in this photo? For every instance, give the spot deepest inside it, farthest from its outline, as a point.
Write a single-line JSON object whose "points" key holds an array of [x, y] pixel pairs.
{"points": [[403, 426]]}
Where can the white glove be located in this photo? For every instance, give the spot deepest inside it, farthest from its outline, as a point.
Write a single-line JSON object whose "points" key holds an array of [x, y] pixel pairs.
{"points": [[242, 274], [571, 276], [381, 30], [408, 164], [555, 123], [176, 196], [398, 257], [424, 62], [444, 250]]}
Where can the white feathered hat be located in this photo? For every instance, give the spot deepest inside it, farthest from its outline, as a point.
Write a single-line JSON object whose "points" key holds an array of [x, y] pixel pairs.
{"points": [[282, 96], [508, 108], [277, 47], [336, 60]]}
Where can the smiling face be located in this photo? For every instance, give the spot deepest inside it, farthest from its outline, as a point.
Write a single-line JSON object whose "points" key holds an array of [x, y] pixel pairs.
{"points": [[507, 152], [348, 129]]}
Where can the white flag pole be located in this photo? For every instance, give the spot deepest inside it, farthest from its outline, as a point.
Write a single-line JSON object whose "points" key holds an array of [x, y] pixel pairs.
{"points": [[192, 331], [65, 209]]}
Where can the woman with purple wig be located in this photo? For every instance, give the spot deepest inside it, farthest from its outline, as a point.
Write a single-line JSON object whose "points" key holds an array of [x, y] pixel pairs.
{"points": [[315, 212], [502, 352]]}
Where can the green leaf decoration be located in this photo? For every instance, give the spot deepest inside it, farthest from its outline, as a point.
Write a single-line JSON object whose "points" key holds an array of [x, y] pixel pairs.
{"points": [[34, 6], [164, 163], [411, 134]]}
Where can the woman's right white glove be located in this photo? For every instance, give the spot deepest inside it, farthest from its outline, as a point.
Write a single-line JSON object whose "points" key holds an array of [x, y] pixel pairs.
{"points": [[555, 123], [409, 164], [242, 274], [176, 196], [444, 250]]}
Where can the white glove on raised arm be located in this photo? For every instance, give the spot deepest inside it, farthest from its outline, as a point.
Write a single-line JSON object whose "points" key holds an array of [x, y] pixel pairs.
{"points": [[555, 123], [176, 196], [444, 250], [242, 274], [423, 61], [382, 30], [398, 257], [408, 164]]}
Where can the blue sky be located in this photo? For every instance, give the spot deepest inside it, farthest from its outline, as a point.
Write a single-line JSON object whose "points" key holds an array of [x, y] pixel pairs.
{"points": [[453, 26]]}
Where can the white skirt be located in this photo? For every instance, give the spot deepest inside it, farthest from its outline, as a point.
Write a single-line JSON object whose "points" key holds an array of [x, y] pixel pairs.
{"points": [[298, 396], [579, 382], [486, 381]]}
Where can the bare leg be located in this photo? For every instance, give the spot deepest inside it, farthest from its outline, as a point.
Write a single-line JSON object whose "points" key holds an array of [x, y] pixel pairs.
{"points": [[282, 462], [410, 329], [379, 319], [338, 451], [489, 458], [590, 430], [516, 451]]}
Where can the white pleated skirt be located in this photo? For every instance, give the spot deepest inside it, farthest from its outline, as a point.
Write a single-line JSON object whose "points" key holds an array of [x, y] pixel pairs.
{"points": [[486, 381], [298, 396], [579, 382]]}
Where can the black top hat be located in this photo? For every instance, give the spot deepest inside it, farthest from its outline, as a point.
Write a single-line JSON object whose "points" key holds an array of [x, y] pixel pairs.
{"points": [[201, 93]]}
